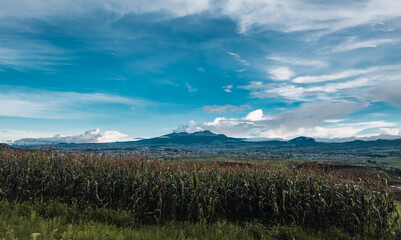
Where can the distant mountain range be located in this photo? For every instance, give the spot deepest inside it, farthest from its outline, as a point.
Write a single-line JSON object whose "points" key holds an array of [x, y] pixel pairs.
{"points": [[210, 138]]}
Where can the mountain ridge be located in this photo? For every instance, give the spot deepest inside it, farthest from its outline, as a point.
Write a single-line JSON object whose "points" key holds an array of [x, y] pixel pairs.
{"points": [[208, 137]]}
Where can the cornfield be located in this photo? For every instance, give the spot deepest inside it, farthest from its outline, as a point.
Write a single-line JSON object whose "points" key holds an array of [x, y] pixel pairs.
{"points": [[158, 192]]}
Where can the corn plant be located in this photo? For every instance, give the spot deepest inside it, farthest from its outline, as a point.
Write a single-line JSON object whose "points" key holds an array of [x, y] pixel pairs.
{"points": [[157, 192]]}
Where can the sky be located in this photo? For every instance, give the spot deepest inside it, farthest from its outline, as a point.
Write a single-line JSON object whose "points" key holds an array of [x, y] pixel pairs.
{"points": [[103, 71]]}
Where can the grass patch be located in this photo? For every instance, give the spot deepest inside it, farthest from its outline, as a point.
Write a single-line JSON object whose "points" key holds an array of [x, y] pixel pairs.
{"points": [[60, 221]]}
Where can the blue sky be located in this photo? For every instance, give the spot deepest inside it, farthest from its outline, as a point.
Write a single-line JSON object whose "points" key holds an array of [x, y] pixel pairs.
{"points": [[263, 69]]}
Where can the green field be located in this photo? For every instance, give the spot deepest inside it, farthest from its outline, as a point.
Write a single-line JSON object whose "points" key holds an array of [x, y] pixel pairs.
{"points": [[62, 221], [52, 195]]}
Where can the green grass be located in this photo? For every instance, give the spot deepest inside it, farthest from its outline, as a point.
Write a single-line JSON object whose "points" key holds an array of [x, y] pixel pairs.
{"points": [[61, 221]]}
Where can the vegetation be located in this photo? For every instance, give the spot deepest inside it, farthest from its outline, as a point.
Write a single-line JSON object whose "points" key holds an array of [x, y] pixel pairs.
{"points": [[125, 191], [69, 222]]}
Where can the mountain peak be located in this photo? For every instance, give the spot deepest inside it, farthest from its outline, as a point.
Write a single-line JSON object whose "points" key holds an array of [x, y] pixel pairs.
{"points": [[199, 134], [204, 133], [302, 139], [188, 138]]}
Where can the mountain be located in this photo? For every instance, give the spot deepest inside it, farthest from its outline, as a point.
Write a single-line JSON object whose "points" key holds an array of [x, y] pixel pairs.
{"points": [[303, 141], [208, 137], [202, 137], [366, 139]]}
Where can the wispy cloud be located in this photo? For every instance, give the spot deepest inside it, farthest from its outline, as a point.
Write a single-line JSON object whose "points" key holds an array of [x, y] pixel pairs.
{"points": [[298, 61], [32, 103], [228, 88], [238, 58], [293, 15], [287, 91], [190, 88], [74, 8], [371, 72], [297, 93], [225, 108], [21, 54], [352, 44], [379, 83], [287, 16], [332, 77]]}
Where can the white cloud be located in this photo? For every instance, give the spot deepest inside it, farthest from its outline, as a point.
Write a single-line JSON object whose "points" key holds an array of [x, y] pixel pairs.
{"points": [[284, 90], [332, 77], [32, 103], [228, 88], [391, 131], [376, 84], [388, 29], [225, 108], [387, 91], [112, 136], [377, 72], [255, 85], [336, 130], [334, 120], [341, 86], [305, 119], [90, 136], [300, 15], [191, 127], [352, 44], [298, 61], [256, 115], [328, 91], [74, 8], [21, 54], [304, 93], [10, 135], [281, 15], [312, 114], [190, 88], [238, 58], [281, 73]]}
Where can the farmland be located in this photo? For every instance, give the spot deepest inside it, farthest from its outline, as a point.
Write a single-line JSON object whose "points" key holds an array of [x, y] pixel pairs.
{"points": [[80, 191]]}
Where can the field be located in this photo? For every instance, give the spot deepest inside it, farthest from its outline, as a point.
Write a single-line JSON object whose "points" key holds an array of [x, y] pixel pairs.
{"points": [[52, 195]]}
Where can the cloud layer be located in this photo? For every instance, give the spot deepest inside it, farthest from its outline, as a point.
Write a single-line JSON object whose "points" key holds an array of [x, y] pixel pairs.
{"points": [[32, 103], [90, 136], [306, 120], [287, 16]]}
